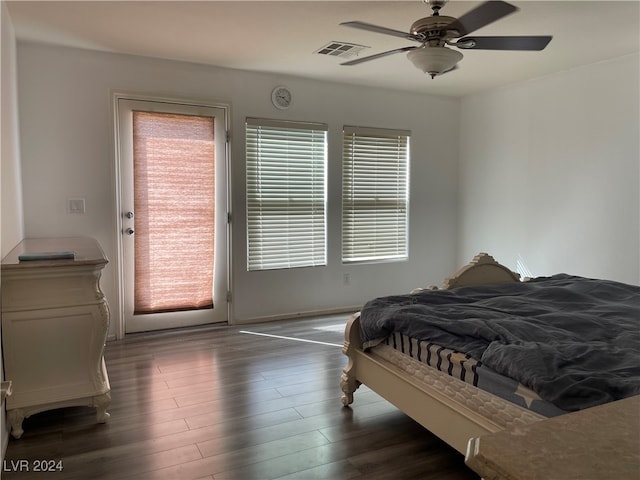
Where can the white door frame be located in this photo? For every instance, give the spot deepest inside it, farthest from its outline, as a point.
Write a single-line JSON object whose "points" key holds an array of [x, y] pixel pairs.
{"points": [[119, 261]]}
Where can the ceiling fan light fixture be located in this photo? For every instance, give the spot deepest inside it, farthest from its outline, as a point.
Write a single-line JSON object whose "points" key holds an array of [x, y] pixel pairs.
{"points": [[434, 60]]}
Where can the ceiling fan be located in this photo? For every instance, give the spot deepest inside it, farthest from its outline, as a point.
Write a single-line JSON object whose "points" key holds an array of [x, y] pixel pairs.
{"points": [[437, 32]]}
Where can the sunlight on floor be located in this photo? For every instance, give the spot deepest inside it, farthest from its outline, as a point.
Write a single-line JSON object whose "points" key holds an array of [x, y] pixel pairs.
{"points": [[291, 338], [338, 327]]}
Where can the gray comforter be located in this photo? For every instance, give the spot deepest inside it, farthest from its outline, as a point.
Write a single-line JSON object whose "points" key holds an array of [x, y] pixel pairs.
{"points": [[575, 341]]}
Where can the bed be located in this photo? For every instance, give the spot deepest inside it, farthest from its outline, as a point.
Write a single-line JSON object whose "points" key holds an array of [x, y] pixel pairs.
{"points": [[429, 352]]}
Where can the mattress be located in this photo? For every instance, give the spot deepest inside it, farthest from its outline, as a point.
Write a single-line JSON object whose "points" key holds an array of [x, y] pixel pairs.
{"points": [[469, 370], [501, 412], [575, 341]]}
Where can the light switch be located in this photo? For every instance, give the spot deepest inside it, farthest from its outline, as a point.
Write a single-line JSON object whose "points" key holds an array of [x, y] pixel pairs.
{"points": [[75, 205]]}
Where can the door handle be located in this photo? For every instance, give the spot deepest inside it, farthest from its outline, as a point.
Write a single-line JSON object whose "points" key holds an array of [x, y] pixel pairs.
{"points": [[129, 215], [129, 231]]}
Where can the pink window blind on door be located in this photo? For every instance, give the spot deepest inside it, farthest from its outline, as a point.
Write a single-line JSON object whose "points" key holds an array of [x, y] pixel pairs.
{"points": [[174, 182]]}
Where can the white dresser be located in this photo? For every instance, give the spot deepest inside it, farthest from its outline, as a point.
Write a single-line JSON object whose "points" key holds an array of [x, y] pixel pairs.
{"points": [[54, 326]]}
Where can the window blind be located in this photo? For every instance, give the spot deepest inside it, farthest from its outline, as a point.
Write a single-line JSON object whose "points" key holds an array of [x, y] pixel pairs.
{"points": [[375, 193], [286, 225], [174, 211]]}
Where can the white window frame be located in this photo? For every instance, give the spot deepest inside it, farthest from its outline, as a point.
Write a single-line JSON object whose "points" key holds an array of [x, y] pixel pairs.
{"points": [[286, 165], [375, 194]]}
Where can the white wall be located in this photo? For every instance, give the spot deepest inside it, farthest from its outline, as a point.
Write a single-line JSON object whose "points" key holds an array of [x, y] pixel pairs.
{"points": [[11, 225], [548, 169], [549, 172], [67, 150]]}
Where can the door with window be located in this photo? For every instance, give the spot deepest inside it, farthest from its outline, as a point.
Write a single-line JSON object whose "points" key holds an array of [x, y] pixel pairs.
{"points": [[172, 164]]}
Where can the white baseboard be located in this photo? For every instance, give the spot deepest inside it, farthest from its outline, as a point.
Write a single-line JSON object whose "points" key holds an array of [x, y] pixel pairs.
{"points": [[285, 316], [292, 316]]}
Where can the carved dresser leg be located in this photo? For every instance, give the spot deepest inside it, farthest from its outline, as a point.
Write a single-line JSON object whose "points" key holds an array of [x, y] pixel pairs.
{"points": [[15, 417], [101, 402]]}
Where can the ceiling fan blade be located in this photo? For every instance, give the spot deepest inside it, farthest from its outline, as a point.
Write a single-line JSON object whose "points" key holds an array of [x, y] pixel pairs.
{"points": [[536, 43], [378, 29], [480, 16], [378, 55]]}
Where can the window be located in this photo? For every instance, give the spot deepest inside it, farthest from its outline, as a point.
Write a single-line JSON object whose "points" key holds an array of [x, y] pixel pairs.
{"points": [[286, 225], [375, 192]]}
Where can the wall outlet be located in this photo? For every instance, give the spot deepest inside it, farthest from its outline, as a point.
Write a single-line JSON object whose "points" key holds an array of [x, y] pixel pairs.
{"points": [[75, 205]]}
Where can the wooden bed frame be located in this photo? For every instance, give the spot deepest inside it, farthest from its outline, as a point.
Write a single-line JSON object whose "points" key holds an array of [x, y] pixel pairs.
{"points": [[452, 421]]}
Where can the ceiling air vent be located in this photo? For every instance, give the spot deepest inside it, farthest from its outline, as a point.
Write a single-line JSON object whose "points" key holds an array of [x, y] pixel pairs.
{"points": [[341, 49]]}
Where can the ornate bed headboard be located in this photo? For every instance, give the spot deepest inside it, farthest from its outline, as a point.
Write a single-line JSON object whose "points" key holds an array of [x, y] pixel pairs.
{"points": [[482, 270]]}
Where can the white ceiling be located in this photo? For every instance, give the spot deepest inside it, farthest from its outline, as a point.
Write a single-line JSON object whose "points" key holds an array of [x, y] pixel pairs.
{"points": [[281, 37]]}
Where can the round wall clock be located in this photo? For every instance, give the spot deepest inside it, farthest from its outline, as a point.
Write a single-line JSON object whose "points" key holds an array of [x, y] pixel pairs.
{"points": [[281, 97]]}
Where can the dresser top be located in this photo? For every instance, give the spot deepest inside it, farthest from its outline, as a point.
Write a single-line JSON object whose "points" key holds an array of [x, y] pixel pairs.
{"points": [[87, 251]]}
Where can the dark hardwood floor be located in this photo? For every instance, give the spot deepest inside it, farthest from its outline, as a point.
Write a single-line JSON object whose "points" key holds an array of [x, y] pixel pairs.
{"points": [[217, 403]]}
